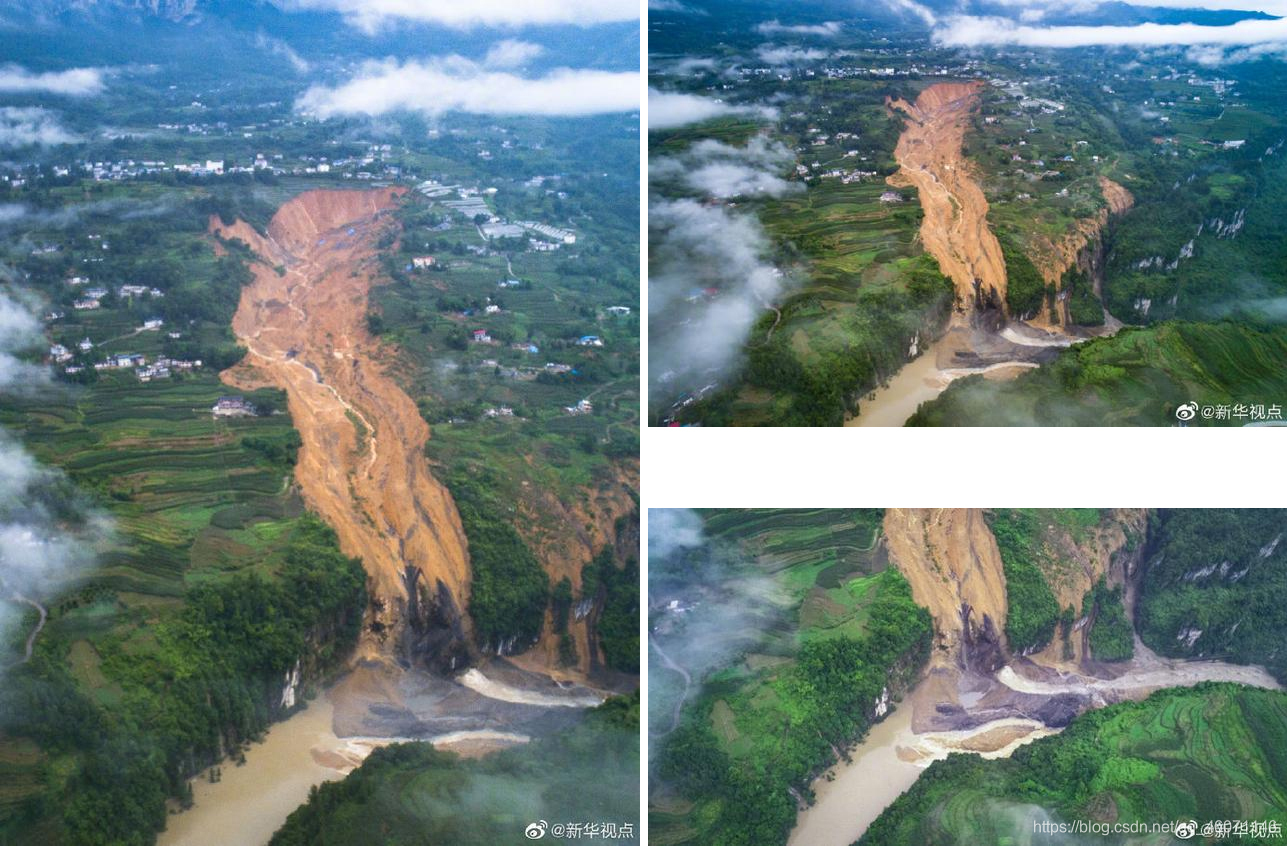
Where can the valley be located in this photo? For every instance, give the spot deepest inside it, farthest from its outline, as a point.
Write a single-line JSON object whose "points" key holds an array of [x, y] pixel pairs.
{"points": [[957, 236], [323, 421], [1001, 678]]}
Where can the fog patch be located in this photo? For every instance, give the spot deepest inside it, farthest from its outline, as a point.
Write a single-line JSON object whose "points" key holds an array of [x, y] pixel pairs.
{"points": [[20, 331], [32, 125], [782, 55], [775, 27], [707, 608], [670, 109], [716, 169], [47, 533], [711, 279]]}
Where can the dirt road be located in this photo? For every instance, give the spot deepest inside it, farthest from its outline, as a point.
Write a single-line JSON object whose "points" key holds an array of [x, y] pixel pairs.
{"points": [[362, 464], [955, 228]]}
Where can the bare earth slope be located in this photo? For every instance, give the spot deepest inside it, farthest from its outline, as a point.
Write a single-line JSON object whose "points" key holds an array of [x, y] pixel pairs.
{"points": [[955, 228], [362, 465]]}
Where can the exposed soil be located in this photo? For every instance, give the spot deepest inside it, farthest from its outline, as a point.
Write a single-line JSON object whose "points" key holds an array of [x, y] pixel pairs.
{"points": [[952, 562], [362, 464], [955, 227]]}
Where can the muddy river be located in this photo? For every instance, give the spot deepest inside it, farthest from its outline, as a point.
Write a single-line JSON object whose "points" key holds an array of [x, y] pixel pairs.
{"points": [[851, 795], [254, 799]]}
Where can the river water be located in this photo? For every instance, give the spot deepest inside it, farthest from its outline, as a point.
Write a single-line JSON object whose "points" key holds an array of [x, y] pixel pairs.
{"points": [[892, 756], [252, 801], [920, 381], [850, 796]]}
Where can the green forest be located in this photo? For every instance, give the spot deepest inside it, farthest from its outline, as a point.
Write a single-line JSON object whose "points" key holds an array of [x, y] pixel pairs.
{"points": [[1031, 609], [209, 680], [1215, 585], [411, 794], [1138, 377], [1213, 752], [788, 721]]}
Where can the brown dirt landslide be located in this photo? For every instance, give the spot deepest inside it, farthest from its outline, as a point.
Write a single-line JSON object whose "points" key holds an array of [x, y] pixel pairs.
{"points": [[362, 465], [929, 153]]}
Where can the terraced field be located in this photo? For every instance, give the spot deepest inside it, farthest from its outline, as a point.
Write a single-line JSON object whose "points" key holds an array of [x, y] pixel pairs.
{"points": [[1214, 752], [188, 498]]}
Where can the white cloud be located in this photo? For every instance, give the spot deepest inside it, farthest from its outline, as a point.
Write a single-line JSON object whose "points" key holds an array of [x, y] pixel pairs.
{"points": [[673, 6], [667, 109], [371, 15], [20, 127], [966, 31], [911, 7], [716, 169], [458, 84], [77, 82], [20, 330], [512, 53], [774, 27], [696, 247], [777, 55]]}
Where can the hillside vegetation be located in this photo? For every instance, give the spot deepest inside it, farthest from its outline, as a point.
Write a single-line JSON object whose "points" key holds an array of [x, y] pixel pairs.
{"points": [[1216, 586], [1137, 377], [1213, 752]]}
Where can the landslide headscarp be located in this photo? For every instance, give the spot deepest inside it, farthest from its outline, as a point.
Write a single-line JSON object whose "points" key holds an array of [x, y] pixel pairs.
{"points": [[362, 464]]}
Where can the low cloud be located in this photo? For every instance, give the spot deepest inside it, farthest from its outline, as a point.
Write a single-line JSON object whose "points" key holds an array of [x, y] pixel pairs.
{"points": [[46, 534], [774, 27], [77, 82], [710, 281], [708, 607], [913, 9], [781, 55], [460, 85], [20, 330], [512, 53], [716, 169], [668, 109], [967, 31], [373, 15], [673, 6], [22, 127]]}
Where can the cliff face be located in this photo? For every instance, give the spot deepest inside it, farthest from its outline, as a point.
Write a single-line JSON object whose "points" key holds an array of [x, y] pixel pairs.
{"points": [[1081, 247]]}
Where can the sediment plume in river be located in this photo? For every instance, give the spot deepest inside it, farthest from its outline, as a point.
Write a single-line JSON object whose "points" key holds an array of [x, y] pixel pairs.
{"points": [[362, 464]]}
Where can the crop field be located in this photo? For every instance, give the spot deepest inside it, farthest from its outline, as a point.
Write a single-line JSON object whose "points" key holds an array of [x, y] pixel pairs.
{"points": [[561, 296], [180, 487]]}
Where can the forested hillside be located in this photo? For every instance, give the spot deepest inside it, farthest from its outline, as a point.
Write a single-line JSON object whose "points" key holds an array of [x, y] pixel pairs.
{"points": [[1215, 752]]}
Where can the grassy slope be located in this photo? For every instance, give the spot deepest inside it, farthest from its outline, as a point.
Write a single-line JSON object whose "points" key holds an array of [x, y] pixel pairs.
{"points": [[1214, 752]]}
